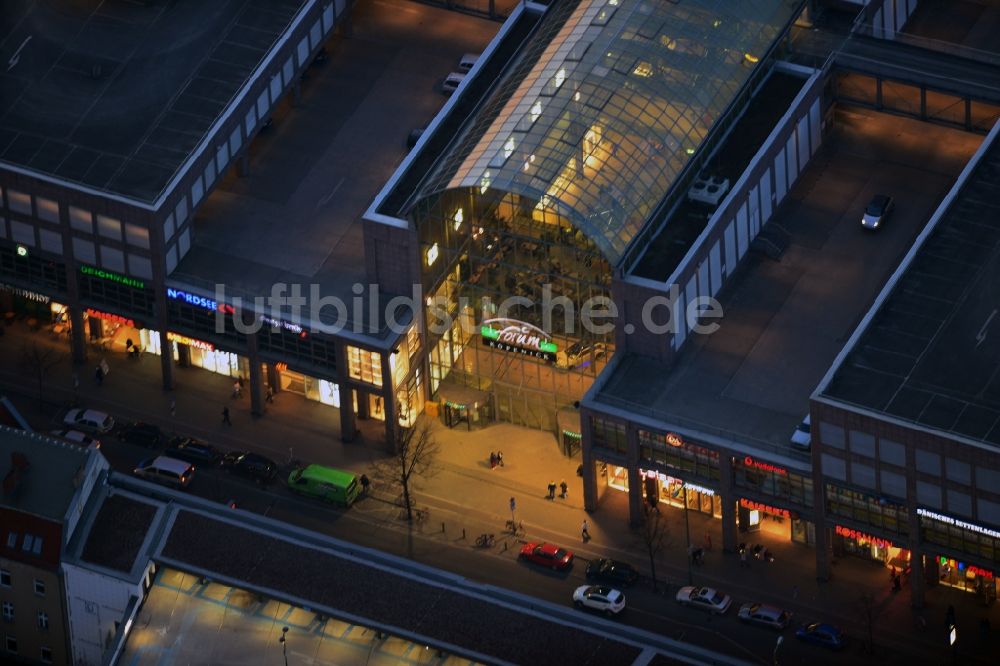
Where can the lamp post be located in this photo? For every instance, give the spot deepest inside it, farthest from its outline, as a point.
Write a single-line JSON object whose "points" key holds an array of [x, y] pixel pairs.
{"points": [[284, 644], [777, 644], [687, 532]]}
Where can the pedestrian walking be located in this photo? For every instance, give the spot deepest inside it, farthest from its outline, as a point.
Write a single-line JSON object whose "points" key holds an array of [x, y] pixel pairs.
{"points": [[552, 489], [743, 559], [500, 458], [269, 397], [173, 407], [563, 489], [225, 416], [708, 541], [99, 375], [493, 460], [585, 531], [237, 389], [365, 483]]}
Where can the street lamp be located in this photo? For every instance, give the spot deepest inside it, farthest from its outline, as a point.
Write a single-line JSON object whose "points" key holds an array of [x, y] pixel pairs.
{"points": [[284, 644], [781, 639], [687, 532]]}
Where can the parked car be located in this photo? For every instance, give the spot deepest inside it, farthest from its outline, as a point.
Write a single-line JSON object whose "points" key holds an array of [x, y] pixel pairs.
{"points": [[89, 420], [143, 434], [78, 437], [601, 598], [468, 61], [820, 633], [166, 470], [546, 555], [581, 353], [802, 437], [612, 571], [193, 451], [250, 465], [452, 82], [877, 211], [325, 483], [762, 614], [704, 598]]}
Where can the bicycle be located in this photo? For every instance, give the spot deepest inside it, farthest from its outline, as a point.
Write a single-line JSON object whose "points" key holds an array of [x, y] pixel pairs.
{"points": [[515, 527], [485, 540], [420, 515]]}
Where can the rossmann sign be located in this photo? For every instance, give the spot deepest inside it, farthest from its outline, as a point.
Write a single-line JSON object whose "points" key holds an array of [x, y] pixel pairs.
{"points": [[518, 337]]}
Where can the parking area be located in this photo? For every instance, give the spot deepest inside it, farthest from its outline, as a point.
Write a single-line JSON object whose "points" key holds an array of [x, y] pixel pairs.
{"points": [[295, 217], [785, 321]]}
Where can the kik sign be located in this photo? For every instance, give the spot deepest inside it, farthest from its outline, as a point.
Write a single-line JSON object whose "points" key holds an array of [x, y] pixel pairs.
{"points": [[519, 337]]}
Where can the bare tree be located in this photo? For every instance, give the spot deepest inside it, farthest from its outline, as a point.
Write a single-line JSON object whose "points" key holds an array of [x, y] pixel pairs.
{"points": [[870, 612], [37, 360], [654, 533], [413, 457]]}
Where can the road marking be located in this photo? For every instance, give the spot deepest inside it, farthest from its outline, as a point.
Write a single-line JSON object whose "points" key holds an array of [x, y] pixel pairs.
{"points": [[325, 200], [981, 336], [16, 58]]}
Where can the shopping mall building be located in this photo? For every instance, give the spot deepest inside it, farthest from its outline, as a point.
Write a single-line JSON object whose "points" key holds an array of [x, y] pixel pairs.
{"points": [[601, 155]]}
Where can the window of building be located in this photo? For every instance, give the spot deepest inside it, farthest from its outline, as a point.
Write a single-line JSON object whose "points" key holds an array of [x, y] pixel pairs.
{"points": [[46, 655], [40, 587], [22, 232], [12, 539], [140, 266], [112, 259], [50, 241], [8, 611], [11, 644], [774, 481], [81, 220], [109, 227], [365, 365], [4, 578], [43, 620], [669, 450], [19, 202], [868, 509], [136, 235], [29, 541], [48, 209], [609, 434]]}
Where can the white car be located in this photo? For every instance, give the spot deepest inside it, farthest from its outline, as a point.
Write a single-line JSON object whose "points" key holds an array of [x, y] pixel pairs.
{"points": [[468, 61], [802, 437], [762, 614], [78, 437], [89, 420], [704, 598], [600, 598]]}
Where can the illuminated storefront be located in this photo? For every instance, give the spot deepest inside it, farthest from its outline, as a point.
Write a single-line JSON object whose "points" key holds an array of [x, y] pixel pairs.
{"points": [[849, 541], [666, 489], [960, 536]]}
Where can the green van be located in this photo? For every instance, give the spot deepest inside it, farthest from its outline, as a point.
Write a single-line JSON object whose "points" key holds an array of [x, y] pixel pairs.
{"points": [[325, 483]]}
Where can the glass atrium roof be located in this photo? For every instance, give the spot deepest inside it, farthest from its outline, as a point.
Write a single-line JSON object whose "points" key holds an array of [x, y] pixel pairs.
{"points": [[608, 104]]}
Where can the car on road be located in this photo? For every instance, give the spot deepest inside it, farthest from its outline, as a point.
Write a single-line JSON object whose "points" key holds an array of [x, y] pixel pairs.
{"points": [[142, 434], [820, 633], [601, 598], [89, 420], [580, 354], [78, 437], [546, 555], [325, 483], [877, 211], [165, 470], [611, 571], [802, 437], [764, 615], [452, 82], [250, 465], [193, 451], [704, 598]]}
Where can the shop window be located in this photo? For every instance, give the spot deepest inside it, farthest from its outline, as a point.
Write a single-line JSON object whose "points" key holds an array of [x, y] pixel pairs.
{"points": [[365, 365], [46, 274], [109, 227], [19, 202], [48, 209], [84, 252]]}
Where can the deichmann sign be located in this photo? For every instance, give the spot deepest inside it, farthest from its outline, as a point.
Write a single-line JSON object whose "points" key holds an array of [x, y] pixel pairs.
{"points": [[107, 316], [24, 293], [199, 301], [862, 537], [520, 337], [190, 342], [112, 277], [958, 523]]}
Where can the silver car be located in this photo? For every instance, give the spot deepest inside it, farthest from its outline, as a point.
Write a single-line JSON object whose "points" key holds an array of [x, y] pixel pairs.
{"points": [[764, 615], [879, 208]]}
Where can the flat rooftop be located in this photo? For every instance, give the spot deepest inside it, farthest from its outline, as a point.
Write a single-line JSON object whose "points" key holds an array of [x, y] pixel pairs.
{"points": [[930, 354], [296, 217], [47, 485], [118, 532], [785, 322], [117, 95]]}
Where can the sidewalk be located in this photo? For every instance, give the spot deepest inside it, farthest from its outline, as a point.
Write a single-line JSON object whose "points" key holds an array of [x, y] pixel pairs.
{"points": [[475, 497]]}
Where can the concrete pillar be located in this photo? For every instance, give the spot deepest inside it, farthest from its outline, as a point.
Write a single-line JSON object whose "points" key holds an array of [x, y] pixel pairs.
{"points": [[918, 578], [390, 409], [348, 424], [635, 487], [729, 499], [273, 378], [166, 360], [183, 355], [589, 467], [256, 378], [362, 404], [79, 336]]}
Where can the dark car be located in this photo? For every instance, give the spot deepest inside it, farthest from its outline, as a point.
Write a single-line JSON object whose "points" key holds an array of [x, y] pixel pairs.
{"points": [[612, 571], [250, 465], [193, 451], [878, 210], [143, 434], [823, 634]]}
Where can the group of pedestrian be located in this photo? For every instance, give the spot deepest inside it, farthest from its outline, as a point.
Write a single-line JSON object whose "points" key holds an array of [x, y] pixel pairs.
{"points": [[496, 459], [238, 388], [563, 489]]}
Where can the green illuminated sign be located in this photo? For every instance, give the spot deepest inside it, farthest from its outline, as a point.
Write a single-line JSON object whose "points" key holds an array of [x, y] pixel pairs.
{"points": [[22, 251], [519, 337], [112, 277]]}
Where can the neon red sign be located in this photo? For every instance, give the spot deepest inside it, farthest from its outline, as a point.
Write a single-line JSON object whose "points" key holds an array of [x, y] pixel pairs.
{"points": [[862, 537], [767, 467], [107, 316], [982, 573], [766, 508]]}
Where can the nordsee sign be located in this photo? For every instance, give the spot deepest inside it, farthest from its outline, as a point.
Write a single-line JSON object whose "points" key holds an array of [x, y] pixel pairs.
{"points": [[519, 337], [198, 301]]}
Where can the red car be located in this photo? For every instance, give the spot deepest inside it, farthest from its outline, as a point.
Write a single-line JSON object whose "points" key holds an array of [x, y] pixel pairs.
{"points": [[546, 555]]}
